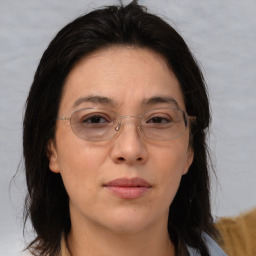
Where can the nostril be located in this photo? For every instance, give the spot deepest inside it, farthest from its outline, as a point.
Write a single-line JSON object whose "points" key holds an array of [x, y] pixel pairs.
{"points": [[123, 160]]}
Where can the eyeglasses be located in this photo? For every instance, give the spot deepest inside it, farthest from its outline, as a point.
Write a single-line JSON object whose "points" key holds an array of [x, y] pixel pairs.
{"points": [[94, 124]]}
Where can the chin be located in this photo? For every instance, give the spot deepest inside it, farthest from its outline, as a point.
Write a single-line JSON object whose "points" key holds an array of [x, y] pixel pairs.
{"points": [[129, 221]]}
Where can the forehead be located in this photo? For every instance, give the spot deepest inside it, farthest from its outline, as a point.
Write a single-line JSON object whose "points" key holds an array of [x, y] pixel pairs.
{"points": [[125, 75]]}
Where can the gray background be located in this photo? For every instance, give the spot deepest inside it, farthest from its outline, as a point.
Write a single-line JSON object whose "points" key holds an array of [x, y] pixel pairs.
{"points": [[221, 34]]}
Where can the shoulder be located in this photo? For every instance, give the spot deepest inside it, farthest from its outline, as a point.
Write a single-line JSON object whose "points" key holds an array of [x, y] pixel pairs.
{"points": [[214, 248]]}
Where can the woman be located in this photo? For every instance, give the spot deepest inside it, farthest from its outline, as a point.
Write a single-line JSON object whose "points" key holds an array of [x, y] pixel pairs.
{"points": [[114, 141]]}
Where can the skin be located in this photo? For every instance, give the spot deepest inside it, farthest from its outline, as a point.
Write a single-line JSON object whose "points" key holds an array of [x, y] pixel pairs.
{"points": [[102, 223]]}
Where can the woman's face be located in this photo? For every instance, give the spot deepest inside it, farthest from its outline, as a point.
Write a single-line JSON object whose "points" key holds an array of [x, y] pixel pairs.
{"points": [[125, 184]]}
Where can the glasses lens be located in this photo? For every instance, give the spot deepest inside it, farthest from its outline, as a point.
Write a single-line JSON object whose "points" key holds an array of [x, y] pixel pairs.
{"points": [[164, 124], [93, 124]]}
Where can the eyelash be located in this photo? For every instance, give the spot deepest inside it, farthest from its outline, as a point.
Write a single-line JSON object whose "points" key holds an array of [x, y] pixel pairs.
{"points": [[159, 118], [96, 116]]}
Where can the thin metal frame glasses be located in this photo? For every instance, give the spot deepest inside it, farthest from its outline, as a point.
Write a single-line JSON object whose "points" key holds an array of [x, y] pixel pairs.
{"points": [[95, 124]]}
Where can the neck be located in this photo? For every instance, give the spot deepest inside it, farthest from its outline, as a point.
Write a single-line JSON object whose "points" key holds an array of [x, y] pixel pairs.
{"points": [[96, 241]]}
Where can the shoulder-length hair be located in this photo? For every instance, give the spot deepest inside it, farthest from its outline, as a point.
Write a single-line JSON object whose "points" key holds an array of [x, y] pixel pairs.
{"points": [[47, 202]]}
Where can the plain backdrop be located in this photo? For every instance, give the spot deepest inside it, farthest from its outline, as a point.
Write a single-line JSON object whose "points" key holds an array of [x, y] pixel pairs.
{"points": [[221, 34]]}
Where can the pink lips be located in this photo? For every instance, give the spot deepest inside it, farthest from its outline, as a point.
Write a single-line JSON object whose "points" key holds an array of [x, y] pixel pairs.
{"points": [[128, 188]]}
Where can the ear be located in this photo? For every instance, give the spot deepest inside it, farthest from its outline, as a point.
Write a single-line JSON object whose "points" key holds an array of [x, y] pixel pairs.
{"points": [[190, 157], [52, 156]]}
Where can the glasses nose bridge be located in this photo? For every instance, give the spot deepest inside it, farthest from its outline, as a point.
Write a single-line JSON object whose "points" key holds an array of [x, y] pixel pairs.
{"points": [[124, 118]]}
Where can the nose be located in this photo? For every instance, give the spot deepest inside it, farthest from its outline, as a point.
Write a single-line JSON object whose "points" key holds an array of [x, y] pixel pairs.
{"points": [[129, 147]]}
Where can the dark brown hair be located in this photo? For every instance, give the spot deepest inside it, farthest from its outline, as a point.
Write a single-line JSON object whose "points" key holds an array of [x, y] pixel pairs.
{"points": [[47, 203]]}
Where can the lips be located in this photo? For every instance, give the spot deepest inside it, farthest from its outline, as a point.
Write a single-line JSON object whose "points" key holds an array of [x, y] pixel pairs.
{"points": [[128, 188]]}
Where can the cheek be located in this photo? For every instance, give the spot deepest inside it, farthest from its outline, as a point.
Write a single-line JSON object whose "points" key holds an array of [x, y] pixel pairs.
{"points": [[170, 164], [80, 166], [171, 158]]}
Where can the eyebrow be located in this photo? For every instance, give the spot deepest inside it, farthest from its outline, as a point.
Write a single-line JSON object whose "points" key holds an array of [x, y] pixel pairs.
{"points": [[93, 99], [107, 101], [159, 100]]}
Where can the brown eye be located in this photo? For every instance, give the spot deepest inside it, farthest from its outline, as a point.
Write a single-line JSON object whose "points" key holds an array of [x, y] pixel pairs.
{"points": [[159, 120], [95, 119]]}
